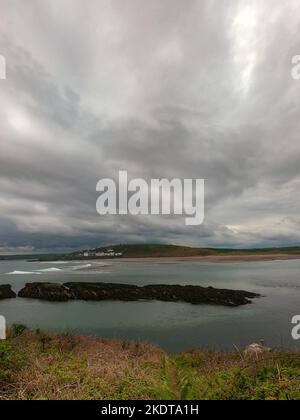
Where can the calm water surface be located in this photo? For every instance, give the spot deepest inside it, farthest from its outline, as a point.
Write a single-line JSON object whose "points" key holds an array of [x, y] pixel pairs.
{"points": [[173, 326]]}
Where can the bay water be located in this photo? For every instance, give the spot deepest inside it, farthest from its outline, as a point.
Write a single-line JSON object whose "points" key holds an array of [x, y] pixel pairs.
{"points": [[173, 326]]}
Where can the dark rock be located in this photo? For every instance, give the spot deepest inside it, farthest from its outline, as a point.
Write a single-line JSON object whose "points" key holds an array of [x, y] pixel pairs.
{"points": [[105, 291], [46, 291], [125, 292], [6, 292]]}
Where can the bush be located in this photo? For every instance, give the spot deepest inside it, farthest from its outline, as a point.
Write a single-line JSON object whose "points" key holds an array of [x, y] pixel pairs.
{"points": [[18, 329], [44, 339]]}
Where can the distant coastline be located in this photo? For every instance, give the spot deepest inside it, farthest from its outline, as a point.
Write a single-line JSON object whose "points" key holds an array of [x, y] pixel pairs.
{"points": [[173, 253], [166, 254]]}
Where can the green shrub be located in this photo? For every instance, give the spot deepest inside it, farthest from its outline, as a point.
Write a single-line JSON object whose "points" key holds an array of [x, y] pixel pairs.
{"points": [[18, 329]]}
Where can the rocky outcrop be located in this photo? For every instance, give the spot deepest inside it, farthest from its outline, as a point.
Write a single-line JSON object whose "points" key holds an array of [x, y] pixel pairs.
{"points": [[125, 292], [6, 292], [46, 291]]}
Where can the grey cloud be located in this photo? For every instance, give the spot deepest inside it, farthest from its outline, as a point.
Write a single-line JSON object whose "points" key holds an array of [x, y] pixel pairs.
{"points": [[198, 89]]}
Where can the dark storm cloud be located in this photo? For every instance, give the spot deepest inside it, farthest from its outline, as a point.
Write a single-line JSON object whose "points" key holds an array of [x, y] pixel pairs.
{"points": [[198, 89]]}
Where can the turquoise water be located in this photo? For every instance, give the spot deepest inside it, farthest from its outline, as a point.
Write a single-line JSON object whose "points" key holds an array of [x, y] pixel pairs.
{"points": [[173, 326]]}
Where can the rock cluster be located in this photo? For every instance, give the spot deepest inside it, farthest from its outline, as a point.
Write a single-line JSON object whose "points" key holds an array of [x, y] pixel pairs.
{"points": [[6, 292], [125, 292]]}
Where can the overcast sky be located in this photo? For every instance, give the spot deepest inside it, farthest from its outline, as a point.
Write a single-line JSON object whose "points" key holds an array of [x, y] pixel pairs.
{"points": [[160, 88]]}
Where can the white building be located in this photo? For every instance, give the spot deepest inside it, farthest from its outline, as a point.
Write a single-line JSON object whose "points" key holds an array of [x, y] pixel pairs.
{"points": [[110, 254]]}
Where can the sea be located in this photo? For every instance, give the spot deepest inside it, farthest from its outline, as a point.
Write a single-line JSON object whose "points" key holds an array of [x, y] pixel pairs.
{"points": [[174, 327]]}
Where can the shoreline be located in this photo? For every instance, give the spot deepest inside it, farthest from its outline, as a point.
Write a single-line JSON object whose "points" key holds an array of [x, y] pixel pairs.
{"points": [[214, 259]]}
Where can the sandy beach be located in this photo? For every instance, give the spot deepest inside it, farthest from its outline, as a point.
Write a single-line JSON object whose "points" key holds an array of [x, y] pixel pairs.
{"points": [[210, 259]]}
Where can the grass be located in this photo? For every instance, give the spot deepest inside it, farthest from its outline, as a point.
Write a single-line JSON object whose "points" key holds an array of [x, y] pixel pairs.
{"points": [[219, 376], [41, 366]]}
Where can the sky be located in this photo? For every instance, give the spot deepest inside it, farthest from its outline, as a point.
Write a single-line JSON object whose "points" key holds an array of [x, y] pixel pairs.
{"points": [[163, 89]]}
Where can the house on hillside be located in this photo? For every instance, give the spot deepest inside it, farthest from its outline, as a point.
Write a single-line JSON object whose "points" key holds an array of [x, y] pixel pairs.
{"points": [[100, 254], [106, 253]]}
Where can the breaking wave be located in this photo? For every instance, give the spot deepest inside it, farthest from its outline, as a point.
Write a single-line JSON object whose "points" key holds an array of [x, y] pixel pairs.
{"points": [[81, 267], [22, 272], [49, 270]]}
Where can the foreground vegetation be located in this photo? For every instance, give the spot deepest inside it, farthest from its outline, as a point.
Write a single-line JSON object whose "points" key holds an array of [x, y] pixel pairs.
{"points": [[39, 366]]}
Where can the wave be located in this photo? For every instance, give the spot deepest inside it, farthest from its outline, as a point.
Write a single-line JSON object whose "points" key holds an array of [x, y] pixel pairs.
{"points": [[81, 267], [22, 272], [49, 270], [103, 265], [91, 267]]}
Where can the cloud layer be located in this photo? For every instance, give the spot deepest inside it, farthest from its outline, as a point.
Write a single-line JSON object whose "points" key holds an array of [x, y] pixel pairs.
{"points": [[198, 89]]}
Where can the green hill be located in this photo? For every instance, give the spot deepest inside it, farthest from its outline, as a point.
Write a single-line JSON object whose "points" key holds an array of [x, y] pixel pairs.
{"points": [[170, 251], [164, 250]]}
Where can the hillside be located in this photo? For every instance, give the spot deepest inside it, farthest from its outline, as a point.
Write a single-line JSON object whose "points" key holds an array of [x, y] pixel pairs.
{"points": [[162, 250], [136, 251], [42, 366]]}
